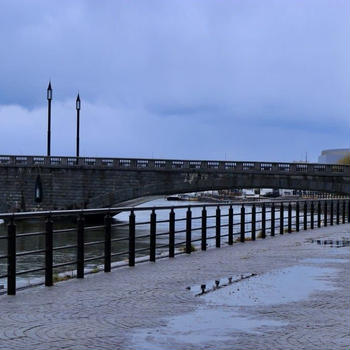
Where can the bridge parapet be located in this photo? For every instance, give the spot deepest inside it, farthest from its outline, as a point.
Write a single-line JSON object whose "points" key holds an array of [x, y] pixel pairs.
{"points": [[174, 164]]}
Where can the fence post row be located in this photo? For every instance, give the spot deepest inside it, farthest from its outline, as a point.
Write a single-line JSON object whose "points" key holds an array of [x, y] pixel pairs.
{"points": [[80, 247], [188, 230], [108, 238], [341, 211], [204, 229], [48, 251], [132, 238], [218, 227], [171, 233], [152, 242]]}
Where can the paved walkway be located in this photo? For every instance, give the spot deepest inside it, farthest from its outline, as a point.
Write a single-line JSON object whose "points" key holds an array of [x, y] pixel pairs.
{"points": [[128, 307]]}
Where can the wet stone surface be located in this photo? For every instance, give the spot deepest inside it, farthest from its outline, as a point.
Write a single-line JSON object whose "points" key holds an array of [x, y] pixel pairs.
{"points": [[298, 298], [218, 318]]}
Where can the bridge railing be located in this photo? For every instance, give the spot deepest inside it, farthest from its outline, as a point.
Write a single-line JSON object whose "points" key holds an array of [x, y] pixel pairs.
{"points": [[145, 233], [170, 164]]}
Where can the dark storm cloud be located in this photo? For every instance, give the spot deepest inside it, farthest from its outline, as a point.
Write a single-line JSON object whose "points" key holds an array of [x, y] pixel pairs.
{"points": [[177, 78]]}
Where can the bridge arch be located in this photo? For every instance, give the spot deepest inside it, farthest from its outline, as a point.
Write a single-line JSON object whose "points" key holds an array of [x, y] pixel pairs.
{"points": [[185, 182]]}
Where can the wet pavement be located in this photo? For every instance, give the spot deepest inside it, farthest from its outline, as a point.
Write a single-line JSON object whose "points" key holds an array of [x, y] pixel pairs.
{"points": [[218, 318], [284, 293]]}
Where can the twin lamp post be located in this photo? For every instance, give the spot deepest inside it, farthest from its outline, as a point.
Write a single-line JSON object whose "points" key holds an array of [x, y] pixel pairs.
{"points": [[77, 107]]}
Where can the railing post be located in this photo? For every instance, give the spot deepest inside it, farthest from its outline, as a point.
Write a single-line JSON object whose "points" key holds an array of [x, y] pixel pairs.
{"points": [[48, 251], [171, 233], [11, 260], [263, 221], [343, 211], [204, 229], [338, 211], [305, 215], [242, 238], [218, 227], [318, 213], [297, 217], [80, 247], [312, 210], [281, 219], [108, 243], [289, 217], [132, 238], [152, 243], [188, 230], [332, 212], [253, 222], [325, 213], [230, 225]]}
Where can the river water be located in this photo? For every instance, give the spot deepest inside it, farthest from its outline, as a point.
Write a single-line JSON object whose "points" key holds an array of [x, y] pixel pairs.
{"points": [[119, 230]]}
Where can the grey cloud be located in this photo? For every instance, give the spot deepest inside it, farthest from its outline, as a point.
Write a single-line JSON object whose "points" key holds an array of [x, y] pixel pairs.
{"points": [[211, 68]]}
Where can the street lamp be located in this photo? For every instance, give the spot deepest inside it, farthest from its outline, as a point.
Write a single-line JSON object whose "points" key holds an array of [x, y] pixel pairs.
{"points": [[77, 106], [49, 98]]}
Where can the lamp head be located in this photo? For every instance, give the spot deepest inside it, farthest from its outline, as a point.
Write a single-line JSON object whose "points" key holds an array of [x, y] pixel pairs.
{"points": [[49, 92], [77, 103]]}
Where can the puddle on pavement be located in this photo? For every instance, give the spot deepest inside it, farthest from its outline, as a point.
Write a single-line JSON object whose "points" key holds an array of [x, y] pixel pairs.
{"points": [[325, 260], [332, 243], [211, 286], [207, 325], [217, 320], [288, 285]]}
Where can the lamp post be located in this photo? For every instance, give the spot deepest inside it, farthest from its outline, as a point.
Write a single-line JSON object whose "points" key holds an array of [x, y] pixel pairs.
{"points": [[77, 106], [49, 98]]}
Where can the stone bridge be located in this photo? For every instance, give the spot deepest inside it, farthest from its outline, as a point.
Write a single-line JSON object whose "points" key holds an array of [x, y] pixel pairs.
{"points": [[39, 182]]}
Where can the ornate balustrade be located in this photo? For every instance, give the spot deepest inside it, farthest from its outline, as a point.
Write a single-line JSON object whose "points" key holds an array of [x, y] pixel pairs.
{"points": [[176, 164]]}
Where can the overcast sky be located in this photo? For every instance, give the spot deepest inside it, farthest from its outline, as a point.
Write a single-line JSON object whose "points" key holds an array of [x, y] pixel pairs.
{"points": [[238, 79]]}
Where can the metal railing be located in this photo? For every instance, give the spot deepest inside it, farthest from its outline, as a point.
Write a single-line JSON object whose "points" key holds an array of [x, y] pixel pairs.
{"points": [[178, 229], [174, 164]]}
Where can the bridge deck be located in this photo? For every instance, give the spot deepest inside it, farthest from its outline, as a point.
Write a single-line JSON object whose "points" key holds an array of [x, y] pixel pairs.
{"points": [[107, 311]]}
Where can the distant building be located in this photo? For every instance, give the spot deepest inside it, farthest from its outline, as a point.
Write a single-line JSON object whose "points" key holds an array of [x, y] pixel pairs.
{"points": [[332, 156]]}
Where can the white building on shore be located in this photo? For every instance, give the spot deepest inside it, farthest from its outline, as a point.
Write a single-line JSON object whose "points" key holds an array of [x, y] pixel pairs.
{"points": [[333, 156]]}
